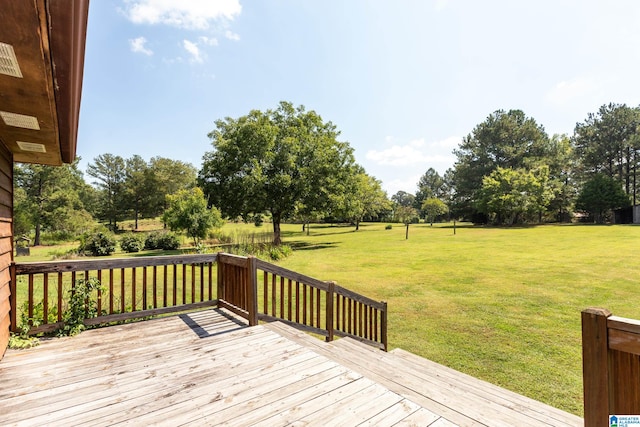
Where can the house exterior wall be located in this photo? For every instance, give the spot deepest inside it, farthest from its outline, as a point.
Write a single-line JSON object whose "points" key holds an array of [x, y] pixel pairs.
{"points": [[6, 242]]}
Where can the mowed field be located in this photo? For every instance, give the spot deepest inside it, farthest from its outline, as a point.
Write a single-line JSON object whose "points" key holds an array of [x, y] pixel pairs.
{"points": [[501, 304]]}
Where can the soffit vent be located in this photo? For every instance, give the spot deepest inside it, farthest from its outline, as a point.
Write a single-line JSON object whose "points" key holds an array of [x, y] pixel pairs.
{"points": [[31, 146], [8, 62], [20, 120]]}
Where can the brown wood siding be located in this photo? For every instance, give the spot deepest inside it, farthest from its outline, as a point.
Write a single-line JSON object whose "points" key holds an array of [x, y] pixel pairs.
{"points": [[6, 242]]}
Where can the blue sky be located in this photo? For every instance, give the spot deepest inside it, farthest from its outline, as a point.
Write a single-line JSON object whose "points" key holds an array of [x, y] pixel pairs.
{"points": [[402, 80]]}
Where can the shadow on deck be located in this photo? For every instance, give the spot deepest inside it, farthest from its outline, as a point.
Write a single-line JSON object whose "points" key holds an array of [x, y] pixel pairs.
{"points": [[207, 368]]}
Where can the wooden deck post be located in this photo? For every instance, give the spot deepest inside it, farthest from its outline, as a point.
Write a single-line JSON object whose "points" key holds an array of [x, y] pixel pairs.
{"points": [[13, 298], [330, 315], [383, 327], [220, 278], [252, 290], [595, 367]]}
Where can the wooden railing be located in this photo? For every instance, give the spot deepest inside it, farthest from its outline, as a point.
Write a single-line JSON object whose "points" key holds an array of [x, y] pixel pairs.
{"points": [[611, 366], [134, 288], [323, 308]]}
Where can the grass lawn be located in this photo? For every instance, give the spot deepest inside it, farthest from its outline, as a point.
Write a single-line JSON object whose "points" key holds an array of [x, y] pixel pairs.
{"points": [[501, 304]]}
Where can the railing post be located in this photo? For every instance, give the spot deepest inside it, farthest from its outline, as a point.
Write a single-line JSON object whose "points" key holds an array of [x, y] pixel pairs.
{"points": [[220, 278], [252, 290], [595, 367], [13, 298], [330, 316], [383, 327]]}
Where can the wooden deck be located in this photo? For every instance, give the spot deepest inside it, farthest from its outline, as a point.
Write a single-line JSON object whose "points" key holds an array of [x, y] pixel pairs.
{"points": [[208, 368]]}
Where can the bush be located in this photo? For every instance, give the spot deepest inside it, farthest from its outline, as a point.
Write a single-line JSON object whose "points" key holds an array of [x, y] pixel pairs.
{"points": [[99, 244], [162, 240], [131, 243], [388, 227]]}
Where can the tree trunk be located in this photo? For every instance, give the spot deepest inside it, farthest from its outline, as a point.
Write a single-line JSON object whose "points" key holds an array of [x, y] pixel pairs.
{"points": [[276, 228], [36, 242], [357, 224], [406, 235]]}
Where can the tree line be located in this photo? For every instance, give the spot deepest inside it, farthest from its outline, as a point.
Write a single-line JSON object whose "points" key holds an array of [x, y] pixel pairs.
{"points": [[508, 170], [289, 164]]}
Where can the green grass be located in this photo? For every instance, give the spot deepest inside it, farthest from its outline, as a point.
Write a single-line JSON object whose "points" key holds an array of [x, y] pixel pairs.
{"points": [[501, 304]]}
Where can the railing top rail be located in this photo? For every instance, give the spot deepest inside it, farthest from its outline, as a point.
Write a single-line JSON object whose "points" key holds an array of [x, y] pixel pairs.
{"points": [[624, 324], [111, 263], [290, 274]]}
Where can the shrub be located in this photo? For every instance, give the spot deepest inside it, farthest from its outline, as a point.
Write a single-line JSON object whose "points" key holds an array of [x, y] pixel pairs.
{"points": [[131, 243], [388, 227], [162, 240], [99, 244]]}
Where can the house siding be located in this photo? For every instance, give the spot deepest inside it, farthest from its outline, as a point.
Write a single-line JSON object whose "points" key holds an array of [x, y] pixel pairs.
{"points": [[6, 243]]}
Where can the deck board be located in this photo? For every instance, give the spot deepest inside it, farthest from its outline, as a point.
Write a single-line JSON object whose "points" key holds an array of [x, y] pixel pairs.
{"points": [[209, 368], [203, 368]]}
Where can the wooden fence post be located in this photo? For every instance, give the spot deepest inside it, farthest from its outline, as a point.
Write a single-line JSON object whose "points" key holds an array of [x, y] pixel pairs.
{"points": [[252, 290], [330, 294], [595, 367]]}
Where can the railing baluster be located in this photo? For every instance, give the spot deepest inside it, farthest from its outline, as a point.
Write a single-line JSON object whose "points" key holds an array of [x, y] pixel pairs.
{"points": [[122, 292], [144, 288], [133, 289], [289, 297], [155, 286], [60, 291], [281, 296], [30, 308], [110, 291], [100, 293], [297, 302], [45, 299]]}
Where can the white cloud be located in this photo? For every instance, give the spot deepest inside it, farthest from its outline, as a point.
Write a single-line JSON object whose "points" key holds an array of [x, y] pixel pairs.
{"points": [[417, 142], [409, 185], [567, 91], [449, 143], [231, 35], [138, 46], [188, 14], [194, 51], [402, 155], [209, 41]]}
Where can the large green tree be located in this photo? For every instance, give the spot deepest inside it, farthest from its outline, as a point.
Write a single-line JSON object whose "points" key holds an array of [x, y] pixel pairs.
{"points": [[430, 185], [600, 195], [364, 198], [505, 139], [50, 198], [432, 208], [109, 172], [510, 196], [168, 176], [274, 161], [188, 212], [139, 188]]}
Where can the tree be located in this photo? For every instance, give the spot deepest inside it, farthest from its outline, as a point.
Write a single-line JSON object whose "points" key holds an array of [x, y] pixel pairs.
{"points": [[406, 215], [49, 198], [365, 198], [188, 211], [600, 195], [510, 196], [139, 187], [562, 177], [431, 185], [168, 176], [109, 172], [402, 198], [607, 142], [506, 140], [433, 208], [275, 161]]}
